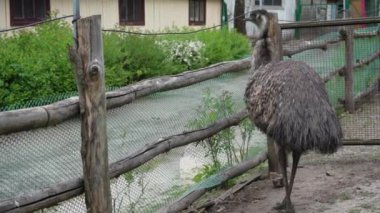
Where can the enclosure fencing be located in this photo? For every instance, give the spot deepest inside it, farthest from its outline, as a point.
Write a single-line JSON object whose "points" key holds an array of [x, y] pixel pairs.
{"points": [[40, 167]]}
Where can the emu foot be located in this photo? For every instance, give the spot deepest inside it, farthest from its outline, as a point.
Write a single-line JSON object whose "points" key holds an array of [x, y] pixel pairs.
{"points": [[280, 206], [284, 208]]}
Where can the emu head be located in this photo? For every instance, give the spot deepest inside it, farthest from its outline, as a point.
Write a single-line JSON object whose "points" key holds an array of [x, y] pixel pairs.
{"points": [[261, 19]]}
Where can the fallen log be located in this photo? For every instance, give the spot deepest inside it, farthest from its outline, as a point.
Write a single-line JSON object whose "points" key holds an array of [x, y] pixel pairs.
{"points": [[229, 193], [50, 196], [361, 142], [52, 114], [232, 172]]}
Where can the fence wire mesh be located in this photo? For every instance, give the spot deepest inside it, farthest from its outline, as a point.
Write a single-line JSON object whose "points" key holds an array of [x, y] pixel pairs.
{"points": [[364, 123], [40, 158], [44, 157]]}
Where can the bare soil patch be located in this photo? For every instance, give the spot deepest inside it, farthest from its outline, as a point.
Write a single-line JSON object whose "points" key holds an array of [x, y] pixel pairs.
{"points": [[348, 181]]}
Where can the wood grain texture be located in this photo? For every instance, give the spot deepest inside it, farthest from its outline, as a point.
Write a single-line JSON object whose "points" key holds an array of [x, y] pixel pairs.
{"points": [[90, 74], [347, 35]]}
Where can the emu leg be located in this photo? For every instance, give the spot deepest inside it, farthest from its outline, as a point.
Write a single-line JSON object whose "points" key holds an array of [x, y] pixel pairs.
{"points": [[286, 205], [296, 159]]}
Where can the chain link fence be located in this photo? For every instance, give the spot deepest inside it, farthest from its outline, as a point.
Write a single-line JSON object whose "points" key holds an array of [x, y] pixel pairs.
{"points": [[328, 59]]}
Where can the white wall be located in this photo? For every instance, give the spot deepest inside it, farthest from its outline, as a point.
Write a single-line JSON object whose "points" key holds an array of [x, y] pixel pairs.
{"points": [[285, 13], [4, 14], [159, 14]]}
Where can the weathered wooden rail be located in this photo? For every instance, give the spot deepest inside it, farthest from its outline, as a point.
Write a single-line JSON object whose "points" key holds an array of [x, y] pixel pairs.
{"points": [[322, 45], [330, 23], [49, 196], [52, 114]]}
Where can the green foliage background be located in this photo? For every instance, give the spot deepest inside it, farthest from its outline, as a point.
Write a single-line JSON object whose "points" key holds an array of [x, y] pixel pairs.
{"points": [[34, 64]]}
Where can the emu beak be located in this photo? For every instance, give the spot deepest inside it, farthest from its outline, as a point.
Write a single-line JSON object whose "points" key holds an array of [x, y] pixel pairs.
{"points": [[247, 19]]}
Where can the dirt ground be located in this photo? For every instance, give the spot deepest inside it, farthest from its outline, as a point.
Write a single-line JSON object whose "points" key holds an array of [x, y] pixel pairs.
{"points": [[347, 181]]}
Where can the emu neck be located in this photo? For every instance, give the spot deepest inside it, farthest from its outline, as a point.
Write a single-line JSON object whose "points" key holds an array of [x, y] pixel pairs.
{"points": [[263, 52]]}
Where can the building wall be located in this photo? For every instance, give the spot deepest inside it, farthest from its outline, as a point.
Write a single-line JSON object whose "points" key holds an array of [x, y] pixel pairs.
{"points": [[4, 14], [159, 14], [286, 12]]}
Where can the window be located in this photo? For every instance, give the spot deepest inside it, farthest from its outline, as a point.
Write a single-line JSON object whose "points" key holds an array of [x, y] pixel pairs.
{"points": [[269, 2], [25, 12], [197, 12], [131, 12]]}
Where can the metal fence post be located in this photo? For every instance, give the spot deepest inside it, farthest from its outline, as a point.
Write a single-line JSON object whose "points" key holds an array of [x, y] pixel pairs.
{"points": [[76, 13]]}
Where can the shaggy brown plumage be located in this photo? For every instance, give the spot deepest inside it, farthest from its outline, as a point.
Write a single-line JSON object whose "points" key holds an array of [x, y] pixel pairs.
{"points": [[288, 101]]}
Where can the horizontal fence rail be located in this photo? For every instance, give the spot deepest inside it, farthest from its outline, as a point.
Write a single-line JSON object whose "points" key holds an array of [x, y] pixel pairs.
{"points": [[308, 45], [330, 23], [66, 190], [52, 114]]}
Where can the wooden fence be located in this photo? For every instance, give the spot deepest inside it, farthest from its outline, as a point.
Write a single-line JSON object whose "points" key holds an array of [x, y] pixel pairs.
{"points": [[37, 117]]}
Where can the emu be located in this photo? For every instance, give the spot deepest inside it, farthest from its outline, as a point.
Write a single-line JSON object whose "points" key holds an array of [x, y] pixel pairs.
{"points": [[287, 100]]}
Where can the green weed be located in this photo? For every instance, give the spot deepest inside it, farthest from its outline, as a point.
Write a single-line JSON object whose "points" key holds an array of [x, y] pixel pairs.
{"points": [[223, 143]]}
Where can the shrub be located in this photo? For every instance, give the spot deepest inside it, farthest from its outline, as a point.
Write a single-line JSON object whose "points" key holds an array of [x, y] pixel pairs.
{"points": [[222, 45], [35, 64], [189, 53], [221, 144], [211, 110]]}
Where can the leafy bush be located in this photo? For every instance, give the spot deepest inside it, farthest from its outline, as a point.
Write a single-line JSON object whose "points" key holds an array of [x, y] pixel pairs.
{"points": [[211, 110], [222, 45], [35, 64], [222, 143], [189, 53]]}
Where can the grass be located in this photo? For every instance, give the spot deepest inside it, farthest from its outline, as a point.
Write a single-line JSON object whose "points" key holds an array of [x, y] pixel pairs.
{"points": [[354, 210], [345, 196]]}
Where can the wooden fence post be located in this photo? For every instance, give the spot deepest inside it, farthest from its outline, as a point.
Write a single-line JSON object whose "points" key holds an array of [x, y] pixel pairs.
{"points": [[347, 35], [89, 64], [275, 174]]}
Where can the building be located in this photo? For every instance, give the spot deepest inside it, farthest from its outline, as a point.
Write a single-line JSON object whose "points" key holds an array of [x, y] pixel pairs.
{"points": [[285, 10], [336, 9], [141, 14]]}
